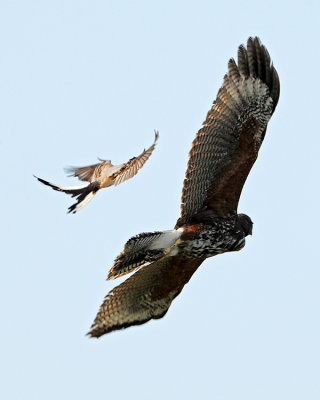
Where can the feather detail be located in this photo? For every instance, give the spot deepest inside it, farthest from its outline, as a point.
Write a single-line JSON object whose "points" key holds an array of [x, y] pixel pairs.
{"points": [[142, 249], [132, 167]]}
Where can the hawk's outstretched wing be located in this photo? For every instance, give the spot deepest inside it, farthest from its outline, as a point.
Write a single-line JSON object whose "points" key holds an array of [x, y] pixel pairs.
{"points": [[145, 295], [227, 145], [132, 167]]}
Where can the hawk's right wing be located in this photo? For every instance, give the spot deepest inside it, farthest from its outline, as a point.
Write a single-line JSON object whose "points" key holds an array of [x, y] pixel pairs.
{"points": [[145, 295]]}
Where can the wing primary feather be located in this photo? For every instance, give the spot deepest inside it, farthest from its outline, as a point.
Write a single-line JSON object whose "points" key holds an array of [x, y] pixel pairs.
{"points": [[252, 58], [259, 59], [243, 62], [233, 70]]}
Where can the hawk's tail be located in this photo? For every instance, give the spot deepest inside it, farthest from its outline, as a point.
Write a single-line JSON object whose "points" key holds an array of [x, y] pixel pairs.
{"points": [[83, 194], [142, 249]]}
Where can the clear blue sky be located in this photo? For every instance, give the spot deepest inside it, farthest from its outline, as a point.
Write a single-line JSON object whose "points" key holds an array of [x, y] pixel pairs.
{"points": [[81, 79]]}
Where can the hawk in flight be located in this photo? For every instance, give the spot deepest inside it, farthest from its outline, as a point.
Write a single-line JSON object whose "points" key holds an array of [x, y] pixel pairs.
{"points": [[221, 157], [101, 175]]}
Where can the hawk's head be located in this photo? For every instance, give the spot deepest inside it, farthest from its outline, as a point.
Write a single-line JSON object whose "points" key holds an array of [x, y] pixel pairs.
{"points": [[246, 224]]}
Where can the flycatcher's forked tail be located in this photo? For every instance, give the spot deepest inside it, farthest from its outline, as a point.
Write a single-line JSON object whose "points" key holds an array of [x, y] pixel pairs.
{"points": [[83, 194]]}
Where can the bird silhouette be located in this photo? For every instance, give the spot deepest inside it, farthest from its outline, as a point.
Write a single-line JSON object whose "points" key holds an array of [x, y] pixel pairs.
{"points": [[101, 175], [221, 157]]}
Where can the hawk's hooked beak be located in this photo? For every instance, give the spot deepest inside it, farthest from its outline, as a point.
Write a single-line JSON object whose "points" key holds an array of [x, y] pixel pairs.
{"points": [[250, 231]]}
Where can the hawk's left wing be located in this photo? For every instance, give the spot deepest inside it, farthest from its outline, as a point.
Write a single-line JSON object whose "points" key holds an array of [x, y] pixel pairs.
{"points": [[226, 147], [145, 295]]}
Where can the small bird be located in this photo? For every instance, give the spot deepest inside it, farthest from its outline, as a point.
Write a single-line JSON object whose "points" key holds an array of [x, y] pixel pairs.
{"points": [[221, 157], [101, 175]]}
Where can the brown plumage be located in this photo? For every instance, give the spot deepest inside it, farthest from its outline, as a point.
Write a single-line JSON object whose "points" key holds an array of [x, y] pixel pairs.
{"points": [[146, 294], [222, 155], [227, 145], [100, 175]]}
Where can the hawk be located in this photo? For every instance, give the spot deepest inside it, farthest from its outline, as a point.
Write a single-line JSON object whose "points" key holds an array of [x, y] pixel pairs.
{"points": [[101, 175], [221, 157]]}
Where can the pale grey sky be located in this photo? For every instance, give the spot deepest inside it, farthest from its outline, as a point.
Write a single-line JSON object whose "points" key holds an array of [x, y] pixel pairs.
{"points": [[81, 79]]}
